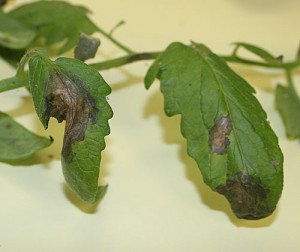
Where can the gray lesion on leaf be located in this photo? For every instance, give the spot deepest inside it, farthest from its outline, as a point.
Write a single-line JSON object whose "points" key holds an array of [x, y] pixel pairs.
{"points": [[219, 133], [70, 102], [247, 197]]}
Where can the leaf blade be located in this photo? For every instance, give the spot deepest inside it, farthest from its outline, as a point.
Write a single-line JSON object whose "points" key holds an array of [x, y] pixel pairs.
{"points": [[55, 21], [288, 104], [16, 142], [13, 34], [200, 86], [70, 90]]}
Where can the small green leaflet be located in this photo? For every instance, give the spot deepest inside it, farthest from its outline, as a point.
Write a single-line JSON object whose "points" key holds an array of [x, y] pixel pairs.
{"points": [[258, 51], [55, 21], [70, 90], [225, 126], [288, 104], [16, 142], [13, 34]]}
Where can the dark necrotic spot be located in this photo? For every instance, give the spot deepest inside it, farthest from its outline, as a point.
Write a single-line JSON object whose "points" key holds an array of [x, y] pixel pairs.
{"points": [[247, 197], [219, 135], [68, 100], [8, 126], [3, 2]]}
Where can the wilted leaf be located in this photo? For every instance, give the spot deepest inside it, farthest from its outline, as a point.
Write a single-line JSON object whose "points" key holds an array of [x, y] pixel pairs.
{"points": [[288, 104], [70, 90], [16, 142], [226, 128], [55, 21]]}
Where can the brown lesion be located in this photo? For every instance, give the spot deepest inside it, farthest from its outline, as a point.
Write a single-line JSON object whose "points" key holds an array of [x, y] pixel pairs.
{"points": [[70, 102], [247, 197], [219, 133]]}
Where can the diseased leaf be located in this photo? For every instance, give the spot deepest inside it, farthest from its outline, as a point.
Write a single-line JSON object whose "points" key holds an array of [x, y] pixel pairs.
{"points": [[70, 90], [16, 142], [55, 21], [13, 34], [288, 104], [225, 126], [260, 52]]}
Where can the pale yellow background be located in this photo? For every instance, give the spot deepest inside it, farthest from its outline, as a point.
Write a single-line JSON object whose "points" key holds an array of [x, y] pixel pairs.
{"points": [[156, 201]]}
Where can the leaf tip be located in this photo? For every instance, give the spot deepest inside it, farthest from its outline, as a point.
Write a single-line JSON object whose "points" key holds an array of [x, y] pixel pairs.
{"points": [[247, 197]]}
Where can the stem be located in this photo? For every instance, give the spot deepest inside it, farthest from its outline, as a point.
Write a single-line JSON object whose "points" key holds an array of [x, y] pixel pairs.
{"points": [[277, 65], [125, 60], [232, 58], [290, 80], [117, 43], [132, 57]]}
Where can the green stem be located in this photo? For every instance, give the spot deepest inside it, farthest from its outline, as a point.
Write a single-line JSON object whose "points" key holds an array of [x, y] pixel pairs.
{"points": [[290, 82], [133, 57], [276, 65], [124, 60], [117, 43], [231, 59]]}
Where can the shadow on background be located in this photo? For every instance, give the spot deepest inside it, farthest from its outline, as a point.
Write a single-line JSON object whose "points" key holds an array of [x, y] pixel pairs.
{"points": [[171, 135], [83, 206]]}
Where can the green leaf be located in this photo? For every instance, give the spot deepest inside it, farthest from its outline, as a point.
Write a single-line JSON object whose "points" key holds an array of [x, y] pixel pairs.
{"points": [[225, 126], [16, 142], [260, 52], [13, 34], [70, 90], [288, 104], [55, 21]]}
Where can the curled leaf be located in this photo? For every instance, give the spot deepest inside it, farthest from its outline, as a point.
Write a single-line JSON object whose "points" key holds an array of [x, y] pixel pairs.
{"points": [[70, 90]]}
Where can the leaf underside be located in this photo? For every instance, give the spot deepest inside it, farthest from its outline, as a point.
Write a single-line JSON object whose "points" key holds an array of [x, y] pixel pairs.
{"points": [[16, 142], [225, 126], [70, 90]]}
